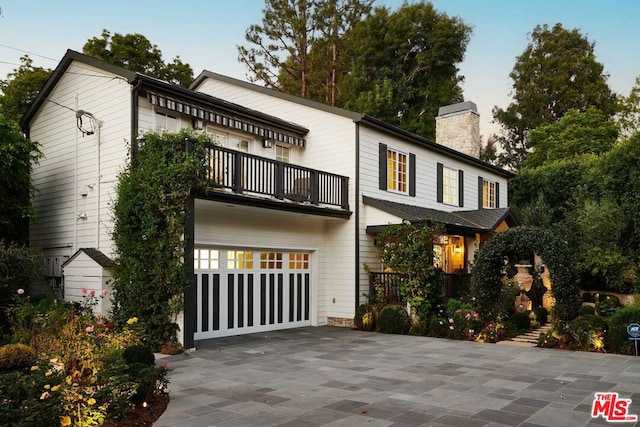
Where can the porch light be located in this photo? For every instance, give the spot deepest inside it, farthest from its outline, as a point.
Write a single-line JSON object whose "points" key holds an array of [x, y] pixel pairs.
{"points": [[457, 249]]}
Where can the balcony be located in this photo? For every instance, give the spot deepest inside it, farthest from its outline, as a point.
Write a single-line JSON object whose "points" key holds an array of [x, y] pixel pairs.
{"points": [[245, 178]]}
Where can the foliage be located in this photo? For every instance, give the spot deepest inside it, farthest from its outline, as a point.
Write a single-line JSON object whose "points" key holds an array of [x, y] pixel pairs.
{"points": [[589, 332], [20, 88], [522, 321], [586, 310], [555, 73], [540, 315], [487, 279], [628, 117], [587, 297], [455, 304], [404, 65], [408, 249], [365, 317], [16, 356], [81, 376], [575, 134], [393, 319], [138, 354], [464, 323], [438, 327], [618, 338], [149, 231], [607, 305], [18, 155], [136, 53]]}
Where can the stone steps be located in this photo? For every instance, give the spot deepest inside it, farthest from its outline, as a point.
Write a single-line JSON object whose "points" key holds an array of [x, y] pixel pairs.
{"points": [[529, 339]]}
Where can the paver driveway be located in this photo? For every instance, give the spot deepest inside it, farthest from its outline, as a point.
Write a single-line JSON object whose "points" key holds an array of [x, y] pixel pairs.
{"points": [[339, 377]]}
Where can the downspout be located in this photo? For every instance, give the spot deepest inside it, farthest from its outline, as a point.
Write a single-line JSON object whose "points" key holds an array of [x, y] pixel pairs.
{"points": [[357, 212]]}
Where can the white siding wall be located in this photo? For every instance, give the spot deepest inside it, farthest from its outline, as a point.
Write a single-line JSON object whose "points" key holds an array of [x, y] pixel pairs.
{"points": [[83, 272], [74, 165], [219, 225]]}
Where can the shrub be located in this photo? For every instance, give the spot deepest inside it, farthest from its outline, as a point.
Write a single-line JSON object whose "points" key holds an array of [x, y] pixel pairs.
{"points": [[541, 315], [586, 309], [607, 305], [438, 327], [454, 304], [364, 318], [587, 297], [394, 319], [16, 356], [618, 338], [138, 354], [466, 323], [522, 321], [588, 331]]}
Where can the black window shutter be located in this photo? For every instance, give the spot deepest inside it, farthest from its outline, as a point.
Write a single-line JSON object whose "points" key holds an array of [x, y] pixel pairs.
{"points": [[439, 183], [382, 160], [480, 191], [460, 188], [497, 194], [412, 174]]}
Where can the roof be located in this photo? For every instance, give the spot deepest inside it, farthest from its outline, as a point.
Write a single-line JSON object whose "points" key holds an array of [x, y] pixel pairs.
{"points": [[360, 118], [96, 255], [457, 108], [481, 220], [151, 83]]}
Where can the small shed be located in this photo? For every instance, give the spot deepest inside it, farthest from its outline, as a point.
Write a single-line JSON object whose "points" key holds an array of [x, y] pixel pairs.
{"points": [[92, 270]]}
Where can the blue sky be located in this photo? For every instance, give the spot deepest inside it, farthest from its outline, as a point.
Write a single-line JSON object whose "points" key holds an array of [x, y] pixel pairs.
{"points": [[205, 34]]}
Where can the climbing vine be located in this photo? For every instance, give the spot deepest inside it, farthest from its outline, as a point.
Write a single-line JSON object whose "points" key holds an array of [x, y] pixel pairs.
{"points": [[488, 275], [149, 231]]}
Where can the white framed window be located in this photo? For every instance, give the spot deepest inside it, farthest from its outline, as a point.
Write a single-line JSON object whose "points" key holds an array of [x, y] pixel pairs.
{"points": [[228, 139], [450, 186], [271, 260], [166, 122], [397, 170], [282, 153], [206, 259], [298, 261], [239, 260], [488, 194]]}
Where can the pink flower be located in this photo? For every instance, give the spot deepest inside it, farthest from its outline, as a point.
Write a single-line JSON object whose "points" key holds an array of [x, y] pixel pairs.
{"points": [[89, 329], [105, 292], [165, 364], [467, 316], [451, 327], [20, 291], [83, 290], [450, 320], [92, 293], [100, 322]]}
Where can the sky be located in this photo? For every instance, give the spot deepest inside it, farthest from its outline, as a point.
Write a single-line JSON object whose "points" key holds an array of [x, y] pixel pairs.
{"points": [[206, 33]]}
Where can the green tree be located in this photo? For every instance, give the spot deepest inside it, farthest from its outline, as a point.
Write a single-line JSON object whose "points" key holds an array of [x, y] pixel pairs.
{"points": [[629, 114], [20, 88], [557, 72], [576, 133], [136, 53], [404, 65], [17, 157]]}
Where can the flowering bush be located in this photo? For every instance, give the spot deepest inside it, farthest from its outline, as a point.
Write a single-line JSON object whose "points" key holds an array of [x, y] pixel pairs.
{"points": [[464, 324], [81, 377]]}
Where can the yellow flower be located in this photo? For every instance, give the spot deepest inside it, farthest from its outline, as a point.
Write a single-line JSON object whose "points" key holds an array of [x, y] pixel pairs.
{"points": [[55, 387], [47, 387], [132, 320], [34, 368], [45, 395], [48, 374], [91, 401], [65, 421]]}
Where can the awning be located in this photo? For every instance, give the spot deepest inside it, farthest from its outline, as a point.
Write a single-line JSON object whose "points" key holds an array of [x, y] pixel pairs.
{"points": [[219, 118]]}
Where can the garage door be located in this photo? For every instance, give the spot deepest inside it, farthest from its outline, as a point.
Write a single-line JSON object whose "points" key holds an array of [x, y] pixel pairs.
{"points": [[247, 291]]}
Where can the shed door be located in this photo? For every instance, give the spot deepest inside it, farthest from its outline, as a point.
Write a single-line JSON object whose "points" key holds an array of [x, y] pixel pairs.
{"points": [[241, 291]]}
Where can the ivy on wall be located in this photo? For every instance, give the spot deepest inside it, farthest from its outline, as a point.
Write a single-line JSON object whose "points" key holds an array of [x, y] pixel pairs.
{"points": [[149, 231], [487, 275]]}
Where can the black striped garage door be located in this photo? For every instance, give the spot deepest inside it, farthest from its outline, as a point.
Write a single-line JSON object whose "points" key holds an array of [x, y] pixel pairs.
{"points": [[242, 291]]}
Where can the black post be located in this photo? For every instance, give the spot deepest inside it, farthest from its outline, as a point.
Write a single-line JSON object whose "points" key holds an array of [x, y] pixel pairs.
{"points": [[237, 172], [315, 190], [279, 184]]}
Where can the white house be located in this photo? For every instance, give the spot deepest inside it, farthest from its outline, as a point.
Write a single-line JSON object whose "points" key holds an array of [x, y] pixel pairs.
{"points": [[298, 191]]}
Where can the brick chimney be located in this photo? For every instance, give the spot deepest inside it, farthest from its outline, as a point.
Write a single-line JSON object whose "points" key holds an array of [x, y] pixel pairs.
{"points": [[458, 127]]}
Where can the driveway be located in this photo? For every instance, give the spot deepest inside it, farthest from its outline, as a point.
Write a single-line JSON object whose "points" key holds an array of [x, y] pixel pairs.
{"points": [[339, 377]]}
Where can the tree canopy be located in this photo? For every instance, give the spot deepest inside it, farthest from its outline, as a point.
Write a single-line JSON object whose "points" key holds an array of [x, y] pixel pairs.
{"points": [[20, 88], [557, 72], [136, 53]]}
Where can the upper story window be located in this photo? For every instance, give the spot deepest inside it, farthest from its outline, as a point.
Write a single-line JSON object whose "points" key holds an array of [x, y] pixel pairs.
{"points": [[449, 186], [450, 183], [166, 122], [282, 153], [488, 194], [227, 139], [397, 168]]}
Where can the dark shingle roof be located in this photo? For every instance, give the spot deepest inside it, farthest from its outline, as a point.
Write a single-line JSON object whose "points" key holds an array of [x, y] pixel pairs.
{"points": [[482, 220], [100, 258]]}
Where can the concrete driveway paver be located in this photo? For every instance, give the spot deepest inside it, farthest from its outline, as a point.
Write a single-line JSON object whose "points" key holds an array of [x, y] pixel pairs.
{"points": [[331, 376]]}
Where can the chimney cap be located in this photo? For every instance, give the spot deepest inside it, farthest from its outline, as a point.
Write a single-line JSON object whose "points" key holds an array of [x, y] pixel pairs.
{"points": [[458, 108]]}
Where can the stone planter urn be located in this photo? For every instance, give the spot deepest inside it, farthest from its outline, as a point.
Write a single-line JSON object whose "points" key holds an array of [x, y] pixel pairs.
{"points": [[524, 277], [547, 299]]}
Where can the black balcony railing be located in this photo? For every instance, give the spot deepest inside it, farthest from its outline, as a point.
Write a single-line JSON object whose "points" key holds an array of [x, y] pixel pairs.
{"points": [[248, 174], [385, 285]]}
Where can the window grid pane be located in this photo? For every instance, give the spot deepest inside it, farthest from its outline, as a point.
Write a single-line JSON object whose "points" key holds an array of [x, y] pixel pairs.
{"points": [[488, 194], [397, 171], [206, 259], [298, 261], [450, 186]]}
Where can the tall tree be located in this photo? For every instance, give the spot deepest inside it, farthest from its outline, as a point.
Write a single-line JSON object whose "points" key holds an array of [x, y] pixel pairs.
{"points": [[557, 72], [136, 53], [575, 134], [404, 65], [282, 43], [628, 117], [20, 88]]}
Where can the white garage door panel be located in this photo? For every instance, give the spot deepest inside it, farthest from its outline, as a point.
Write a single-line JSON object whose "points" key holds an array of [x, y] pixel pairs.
{"points": [[269, 296]]}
